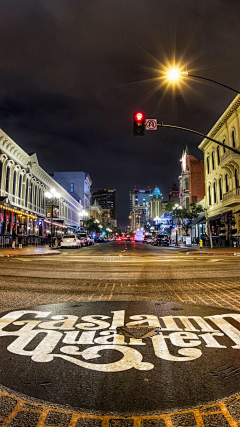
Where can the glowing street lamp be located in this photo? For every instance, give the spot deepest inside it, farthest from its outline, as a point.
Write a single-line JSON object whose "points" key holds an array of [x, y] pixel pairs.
{"points": [[52, 195], [175, 74]]}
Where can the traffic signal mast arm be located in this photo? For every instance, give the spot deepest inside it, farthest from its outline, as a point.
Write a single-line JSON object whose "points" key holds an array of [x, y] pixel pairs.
{"points": [[200, 134]]}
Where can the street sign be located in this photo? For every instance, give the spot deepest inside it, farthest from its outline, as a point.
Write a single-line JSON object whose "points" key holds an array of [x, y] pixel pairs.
{"points": [[151, 124]]}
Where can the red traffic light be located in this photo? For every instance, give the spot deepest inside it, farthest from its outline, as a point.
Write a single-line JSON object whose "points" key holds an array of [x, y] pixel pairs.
{"points": [[139, 116], [138, 123]]}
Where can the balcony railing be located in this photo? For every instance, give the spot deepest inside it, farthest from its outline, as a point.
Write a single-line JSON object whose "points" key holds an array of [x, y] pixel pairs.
{"points": [[233, 194], [230, 155]]}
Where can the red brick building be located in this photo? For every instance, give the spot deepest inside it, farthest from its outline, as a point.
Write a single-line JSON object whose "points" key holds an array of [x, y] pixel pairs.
{"points": [[191, 180], [174, 194]]}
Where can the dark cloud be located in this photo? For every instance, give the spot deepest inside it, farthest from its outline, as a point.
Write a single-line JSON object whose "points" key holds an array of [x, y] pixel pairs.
{"points": [[72, 73]]}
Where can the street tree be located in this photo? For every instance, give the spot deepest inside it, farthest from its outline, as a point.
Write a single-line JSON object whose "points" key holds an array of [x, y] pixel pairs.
{"points": [[185, 215]]}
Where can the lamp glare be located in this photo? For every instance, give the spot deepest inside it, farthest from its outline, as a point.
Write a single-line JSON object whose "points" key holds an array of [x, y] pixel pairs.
{"points": [[173, 74]]}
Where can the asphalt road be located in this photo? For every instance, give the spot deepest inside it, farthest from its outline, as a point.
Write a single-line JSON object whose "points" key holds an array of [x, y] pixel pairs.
{"points": [[120, 271], [126, 272]]}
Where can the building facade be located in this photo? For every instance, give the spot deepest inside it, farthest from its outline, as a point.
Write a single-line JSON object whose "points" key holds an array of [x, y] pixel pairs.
{"points": [[23, 184], [107, 200], [139, 207], [222, 168], [174, 194], [156, 205], [78, 184], [191, 180]]}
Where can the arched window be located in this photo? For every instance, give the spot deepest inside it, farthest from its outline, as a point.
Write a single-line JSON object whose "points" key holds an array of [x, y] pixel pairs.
{"points": [[214, 192], [208, 166], [1, 165], [233, 138], [7, 179], [213, 160], [31, 192], [226, 183], [209, 196], [14, 184], [236, 179], [220, 188], [26, 195], [35, 197], [224, 149], [20, 188], [40, 199], [218, 155]]}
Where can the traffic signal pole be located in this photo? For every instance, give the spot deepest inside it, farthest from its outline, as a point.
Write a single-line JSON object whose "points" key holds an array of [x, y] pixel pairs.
{"points": [[200, 134]]}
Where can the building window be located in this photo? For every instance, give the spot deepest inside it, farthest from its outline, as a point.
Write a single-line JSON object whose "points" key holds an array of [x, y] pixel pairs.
{"points": [[220, 189], [72, 188], [233, 138], [208, 166], [26, 195], [14, 184], [226, 183], [236, 179], [35, 198], [224, 149], [213, 163], [40, 198], [1, 174], [7, 178], [20, 187], [214, 193], [218, 155], [209, 196]]}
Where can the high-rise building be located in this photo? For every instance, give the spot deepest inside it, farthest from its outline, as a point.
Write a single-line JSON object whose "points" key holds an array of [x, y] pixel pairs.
{"points": [[106, 199], [138, 207]]}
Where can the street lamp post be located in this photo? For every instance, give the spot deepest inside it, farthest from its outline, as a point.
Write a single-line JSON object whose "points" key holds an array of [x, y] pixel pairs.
{"points": [[52, 195], [177, 207], [83, 216], [175, 74]]}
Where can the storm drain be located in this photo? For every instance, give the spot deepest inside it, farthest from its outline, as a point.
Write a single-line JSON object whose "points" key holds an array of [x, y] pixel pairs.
{"points": [[138, 332]]}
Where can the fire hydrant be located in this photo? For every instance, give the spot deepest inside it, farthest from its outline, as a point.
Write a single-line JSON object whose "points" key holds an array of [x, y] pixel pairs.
{"points": [[201, 243]]}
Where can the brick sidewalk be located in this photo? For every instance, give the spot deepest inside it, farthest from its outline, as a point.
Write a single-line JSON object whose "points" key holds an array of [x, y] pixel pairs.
{"points": [[16, 412]]}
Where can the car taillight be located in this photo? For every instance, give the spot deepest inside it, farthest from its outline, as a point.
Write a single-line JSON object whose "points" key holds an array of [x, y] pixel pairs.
{"points": [[74, 240], [61, 241]]}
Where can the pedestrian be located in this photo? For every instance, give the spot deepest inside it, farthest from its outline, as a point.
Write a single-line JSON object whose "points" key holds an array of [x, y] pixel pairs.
{"points": [[14, 237], [20, 234]]}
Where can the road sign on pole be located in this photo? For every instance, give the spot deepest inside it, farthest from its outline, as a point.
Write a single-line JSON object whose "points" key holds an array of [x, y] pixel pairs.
{"points": [[151, 124]]}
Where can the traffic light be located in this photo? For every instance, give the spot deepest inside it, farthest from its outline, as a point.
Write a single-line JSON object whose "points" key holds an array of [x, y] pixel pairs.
{"points": [[138, 124]]}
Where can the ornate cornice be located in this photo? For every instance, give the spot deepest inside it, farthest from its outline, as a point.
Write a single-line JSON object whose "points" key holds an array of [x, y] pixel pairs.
{"points": [[232, 109]]}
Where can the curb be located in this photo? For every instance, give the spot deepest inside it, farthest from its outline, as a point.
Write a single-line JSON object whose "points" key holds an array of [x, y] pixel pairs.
{"points": [[29, 255], [214, 253]]}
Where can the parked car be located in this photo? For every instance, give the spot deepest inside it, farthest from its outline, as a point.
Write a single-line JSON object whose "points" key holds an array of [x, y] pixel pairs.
{"points": [[85, 239], [70, 241], [161, 240]]}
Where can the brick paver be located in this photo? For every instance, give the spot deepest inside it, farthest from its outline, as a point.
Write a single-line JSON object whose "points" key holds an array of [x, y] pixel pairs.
{"points": [[20, 413]]}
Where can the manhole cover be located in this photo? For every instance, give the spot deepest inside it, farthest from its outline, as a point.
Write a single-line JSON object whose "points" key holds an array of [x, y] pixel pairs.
{"points": [[71, 354], [138, 332]]}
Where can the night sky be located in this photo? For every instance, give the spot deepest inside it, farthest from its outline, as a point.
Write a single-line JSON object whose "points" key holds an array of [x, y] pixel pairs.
{"points": [[74, 71]]}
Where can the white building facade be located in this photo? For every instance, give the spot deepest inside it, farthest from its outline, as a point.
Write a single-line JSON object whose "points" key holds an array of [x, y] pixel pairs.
{"points": [[23, 184]]}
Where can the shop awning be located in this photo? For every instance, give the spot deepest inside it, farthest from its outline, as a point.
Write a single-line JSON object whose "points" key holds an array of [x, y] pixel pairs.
{"points": [[201, 218], [214, 218]]}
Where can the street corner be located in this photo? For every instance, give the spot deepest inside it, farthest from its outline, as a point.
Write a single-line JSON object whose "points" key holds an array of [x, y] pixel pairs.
{"points": [[190, 359]]}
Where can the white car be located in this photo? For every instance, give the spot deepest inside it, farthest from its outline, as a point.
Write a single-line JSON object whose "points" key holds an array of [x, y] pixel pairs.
{"points": [[70, 241]]}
